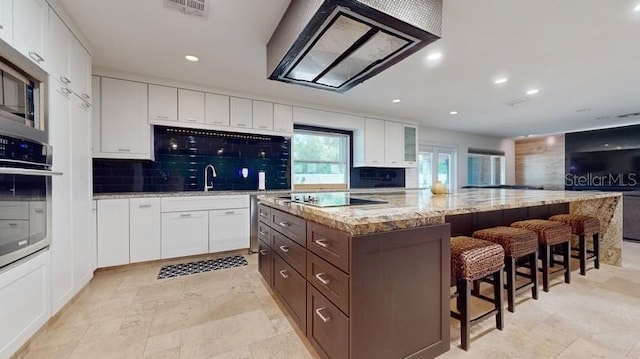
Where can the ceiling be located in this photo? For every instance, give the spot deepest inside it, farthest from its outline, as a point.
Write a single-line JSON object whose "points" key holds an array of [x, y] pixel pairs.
{"points": [[583, 56]]}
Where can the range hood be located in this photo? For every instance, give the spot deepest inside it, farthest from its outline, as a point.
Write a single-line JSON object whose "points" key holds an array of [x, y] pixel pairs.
{"points": [[336, 44]]}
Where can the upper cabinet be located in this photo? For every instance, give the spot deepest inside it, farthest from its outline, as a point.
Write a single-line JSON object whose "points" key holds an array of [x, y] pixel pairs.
{"points": [[262, 115], [241, 112], [95, 116], [190, 106], [59, 49], [216, 109], [81, 71], [385, 144], [410, 156], [370, 144], [30, 20], [125, 132], [393, 144], [283, 118], [163, 103], [6, 21]]}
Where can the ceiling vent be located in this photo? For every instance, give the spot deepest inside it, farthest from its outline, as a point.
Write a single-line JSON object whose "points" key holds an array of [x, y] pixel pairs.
{"points": [[198, 8], [337, 44]]}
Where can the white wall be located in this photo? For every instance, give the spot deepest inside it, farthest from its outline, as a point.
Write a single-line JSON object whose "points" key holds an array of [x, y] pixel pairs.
{"points": [[462, 142]]}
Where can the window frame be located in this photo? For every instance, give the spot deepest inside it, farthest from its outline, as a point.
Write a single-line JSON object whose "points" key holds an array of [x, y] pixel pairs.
{"points": [[493, 155], [436, 150]]}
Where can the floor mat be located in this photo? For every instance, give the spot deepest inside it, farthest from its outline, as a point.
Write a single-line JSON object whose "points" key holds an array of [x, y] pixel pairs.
{"points": [[177, 270]]}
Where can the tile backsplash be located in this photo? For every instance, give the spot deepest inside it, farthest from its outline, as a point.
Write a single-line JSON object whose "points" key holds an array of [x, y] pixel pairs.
{"points": [[182, 154]]}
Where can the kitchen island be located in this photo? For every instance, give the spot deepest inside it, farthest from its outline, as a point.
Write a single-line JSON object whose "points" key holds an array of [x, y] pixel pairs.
{"points": [[376, 276]]}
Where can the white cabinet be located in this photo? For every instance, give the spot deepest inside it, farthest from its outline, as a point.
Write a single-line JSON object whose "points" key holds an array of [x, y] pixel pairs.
{"points": [[190, 106], [6, 21], [369, 144], [185, 233], [113, 232], [95, 116], [393, 144], [81, 71], [216, 109], [228, 229], [282, 118], [125, 132], [241, 112], [144, 229], [25, 294], [59, 49], [163, 103], [94, 235], [30, 18], [410, 143], [263, 115]]}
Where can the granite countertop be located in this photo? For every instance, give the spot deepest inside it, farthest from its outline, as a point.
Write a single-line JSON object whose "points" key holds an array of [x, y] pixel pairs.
{"points": [[124, 195], [411, 208]]}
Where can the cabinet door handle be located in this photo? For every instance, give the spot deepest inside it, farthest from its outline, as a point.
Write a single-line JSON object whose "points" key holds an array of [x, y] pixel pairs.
{"points": [[185, 215], [190, 119], [13, 224], [124, 150], [85, 105], [284, 274], [65, 90], [319, 276], [144, 206], [284, 249], [263, 252], [23, 243], [284, 224], [262, 233], [263, 127], [217, 122], [85, 96], [163, 117], [241, 124], [230, 212], [322, 242], [35, 57], [262, 214], [325, 318], [39, 211], [65, 80]]}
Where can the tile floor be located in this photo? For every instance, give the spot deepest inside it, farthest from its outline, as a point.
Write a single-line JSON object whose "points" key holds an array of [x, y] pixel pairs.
{"points": [[128, 313]]}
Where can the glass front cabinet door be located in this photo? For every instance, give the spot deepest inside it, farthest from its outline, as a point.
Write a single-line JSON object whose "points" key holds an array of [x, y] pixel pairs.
{"points": [[410, 146]]}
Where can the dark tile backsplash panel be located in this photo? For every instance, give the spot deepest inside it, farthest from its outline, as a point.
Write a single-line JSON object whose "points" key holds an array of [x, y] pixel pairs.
{"points": [[369, 177], [182, 154]]}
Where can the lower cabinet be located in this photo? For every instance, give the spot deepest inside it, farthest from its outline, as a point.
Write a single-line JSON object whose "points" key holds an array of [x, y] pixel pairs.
{"points": [[265, 262], [144, 229], [113, 232], [292, 288], [327, 326], [228, 229], [185, 233]]}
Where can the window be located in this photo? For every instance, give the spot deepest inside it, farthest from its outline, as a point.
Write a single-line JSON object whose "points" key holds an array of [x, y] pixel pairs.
{"points": [[436, 164], [485, 168], [320, 160]]}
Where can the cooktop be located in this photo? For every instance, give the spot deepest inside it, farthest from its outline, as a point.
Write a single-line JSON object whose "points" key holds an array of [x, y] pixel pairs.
{"points": [[330, 199]]}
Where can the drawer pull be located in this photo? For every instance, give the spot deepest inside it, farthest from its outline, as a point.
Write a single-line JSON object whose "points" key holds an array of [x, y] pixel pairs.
{"points": [[263, 252], [23, 243], [284, 224], [322, 316], [284, 274], [262, 214], [13, 224], [185, 215], [284, 249], [65, 80], [35, 57], [319, 276], [263, 233], [322, 242], [39, 210], [144, 206], [124, 150], [230, 212]]}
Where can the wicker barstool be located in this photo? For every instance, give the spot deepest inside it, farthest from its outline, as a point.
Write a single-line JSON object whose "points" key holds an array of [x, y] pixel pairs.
{"points": [[520, 249], [583, 226], [471, 260], [551, 235]]}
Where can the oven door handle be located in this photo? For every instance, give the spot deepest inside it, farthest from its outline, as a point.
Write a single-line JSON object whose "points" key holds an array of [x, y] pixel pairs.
{"points": [[28, 172]]}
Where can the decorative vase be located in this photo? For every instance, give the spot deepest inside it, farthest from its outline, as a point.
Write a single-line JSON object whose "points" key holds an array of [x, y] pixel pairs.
{"points": [[438, 188]]}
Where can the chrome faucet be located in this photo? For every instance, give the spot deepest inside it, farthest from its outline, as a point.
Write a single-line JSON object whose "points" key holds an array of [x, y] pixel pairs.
{"points": [[206, 177]]}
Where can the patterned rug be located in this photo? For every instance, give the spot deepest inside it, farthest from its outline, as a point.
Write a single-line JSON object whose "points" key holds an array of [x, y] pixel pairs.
{"points": [[177, 270]]}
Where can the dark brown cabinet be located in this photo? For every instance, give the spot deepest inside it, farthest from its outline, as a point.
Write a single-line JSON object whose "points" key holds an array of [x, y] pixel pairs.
{"points": [[290, 251], [327, 326], [329, 280], [329, 244], [265, 262], [292, 288]]}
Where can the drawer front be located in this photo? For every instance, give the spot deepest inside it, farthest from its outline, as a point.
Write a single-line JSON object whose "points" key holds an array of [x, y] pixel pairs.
{"points": [[327, 326], [295, 255], [265, 262], [264, 213], [292, 288], [329, 244], [264, 232], [329, 280], [204, 203], [291, 226]]}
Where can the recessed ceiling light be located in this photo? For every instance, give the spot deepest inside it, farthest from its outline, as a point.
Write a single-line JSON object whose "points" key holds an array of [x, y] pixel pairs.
{"points": [[453, 112], [533, 91], [637, 8], [435, 56], [396, 100], [192, 58], [500, 80]]}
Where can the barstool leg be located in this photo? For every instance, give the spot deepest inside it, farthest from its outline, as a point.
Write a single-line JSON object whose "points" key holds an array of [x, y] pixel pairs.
{"points": [[567, 264], [510, 270], [596, 250], [498, 298], [582, 247], [464, 293], [533, 268], [544, 256]]}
